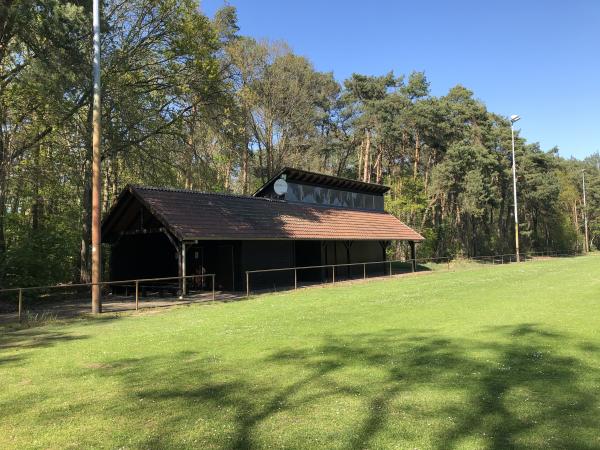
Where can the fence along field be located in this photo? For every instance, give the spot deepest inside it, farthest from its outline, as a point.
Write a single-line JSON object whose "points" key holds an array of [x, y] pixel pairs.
{"points": [[42, 303]]}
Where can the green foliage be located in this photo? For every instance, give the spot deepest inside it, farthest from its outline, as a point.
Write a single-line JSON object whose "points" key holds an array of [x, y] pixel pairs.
{"points": [[190, 102]]}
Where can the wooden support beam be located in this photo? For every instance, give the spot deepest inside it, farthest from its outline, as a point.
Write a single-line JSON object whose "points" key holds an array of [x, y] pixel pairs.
{"points": [[183, 271], [142, 231], [413, 255]]}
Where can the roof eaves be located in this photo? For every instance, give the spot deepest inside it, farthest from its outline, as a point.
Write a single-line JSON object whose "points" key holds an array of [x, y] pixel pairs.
{"points": [[135, 191]]}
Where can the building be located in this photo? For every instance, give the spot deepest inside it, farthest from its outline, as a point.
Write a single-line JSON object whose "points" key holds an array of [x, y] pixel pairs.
{"points": [[296, 219]]}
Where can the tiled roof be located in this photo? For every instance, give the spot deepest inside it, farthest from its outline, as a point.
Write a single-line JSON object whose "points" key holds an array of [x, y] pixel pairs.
{"points": [[191, 215]]}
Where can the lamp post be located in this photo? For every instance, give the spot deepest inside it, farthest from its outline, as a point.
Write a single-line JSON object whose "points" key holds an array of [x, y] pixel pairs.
{"points": [[514, 118], [586, 247]]}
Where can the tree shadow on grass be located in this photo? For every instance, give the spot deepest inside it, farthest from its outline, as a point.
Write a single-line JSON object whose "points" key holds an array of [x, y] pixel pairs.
{"points": [[33, 338], [505, 387]]}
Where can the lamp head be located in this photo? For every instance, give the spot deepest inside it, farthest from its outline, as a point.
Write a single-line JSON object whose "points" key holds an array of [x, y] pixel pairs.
{"points": [[514, 118]]}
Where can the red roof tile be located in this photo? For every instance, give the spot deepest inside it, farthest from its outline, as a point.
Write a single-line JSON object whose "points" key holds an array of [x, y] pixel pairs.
{"points": [[194, 215]]}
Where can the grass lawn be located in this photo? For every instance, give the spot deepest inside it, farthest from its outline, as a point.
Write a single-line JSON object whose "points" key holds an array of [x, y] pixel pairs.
{"points": [[496, 357]]}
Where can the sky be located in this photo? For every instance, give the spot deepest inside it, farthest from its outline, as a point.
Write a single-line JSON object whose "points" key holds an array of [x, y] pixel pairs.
{"points": [[539, 59]]}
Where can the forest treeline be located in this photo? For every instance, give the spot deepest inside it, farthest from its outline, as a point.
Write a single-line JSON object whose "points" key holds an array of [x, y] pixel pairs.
{"points": [[190, 102]]}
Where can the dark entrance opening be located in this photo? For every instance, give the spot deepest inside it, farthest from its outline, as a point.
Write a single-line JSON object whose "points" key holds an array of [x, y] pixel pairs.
{"points": [[308, 253], [196, 264], [143, 256], [225, 272]]}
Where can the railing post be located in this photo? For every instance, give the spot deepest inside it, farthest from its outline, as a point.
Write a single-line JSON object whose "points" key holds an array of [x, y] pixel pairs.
{"points": [[364, 271], [295, 278], [333, 274], [20, 304], [213, 287], [247, 284], [137, 294]]}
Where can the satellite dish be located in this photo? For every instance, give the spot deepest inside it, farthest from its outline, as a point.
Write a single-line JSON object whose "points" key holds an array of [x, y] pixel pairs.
{"points": [[280, 186]]}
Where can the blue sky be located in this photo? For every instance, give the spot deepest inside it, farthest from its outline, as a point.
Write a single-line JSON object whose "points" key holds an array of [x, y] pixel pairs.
{"points": [[539, 59]]}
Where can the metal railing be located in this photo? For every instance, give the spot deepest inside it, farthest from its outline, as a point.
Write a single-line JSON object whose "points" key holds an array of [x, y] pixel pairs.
{"points": [[134, 283], [137, 284], [388, 263], [491, 259]]}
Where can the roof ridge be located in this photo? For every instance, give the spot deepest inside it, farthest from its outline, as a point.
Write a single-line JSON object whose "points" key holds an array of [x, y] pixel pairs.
{"points": [[192, 191]]}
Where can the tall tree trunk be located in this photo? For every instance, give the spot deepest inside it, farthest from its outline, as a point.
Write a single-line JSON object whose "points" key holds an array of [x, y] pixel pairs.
{"points": [[417, 154], [3, 197], [367, 156], [245, 169], [227, 174], [191, 151], [85, 274], [360, 160], [85, 263], [36, 210], [378, 165], [188, 162]]}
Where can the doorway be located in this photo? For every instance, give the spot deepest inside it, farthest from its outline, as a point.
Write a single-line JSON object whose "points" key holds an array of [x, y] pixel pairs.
{"points": [[225, 270]]}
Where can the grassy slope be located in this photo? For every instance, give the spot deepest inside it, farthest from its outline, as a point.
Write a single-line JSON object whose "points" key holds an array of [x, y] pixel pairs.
{"points": [[491, 358]]}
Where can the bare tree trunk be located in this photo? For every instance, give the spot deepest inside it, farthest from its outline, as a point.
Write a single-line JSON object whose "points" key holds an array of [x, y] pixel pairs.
{"points": [[191, 151], [85, 274], [114, 188], [378, 165], [360, 160], [3, 197], [108, 173], [189, 160], [227, 174], [36, 210], [245, 170], [85, 262], [417, 154], [367, 157], [269, 133]]}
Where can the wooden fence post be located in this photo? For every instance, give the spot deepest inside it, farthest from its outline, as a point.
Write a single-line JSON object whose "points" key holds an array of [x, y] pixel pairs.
{"points": [[247, 284], [20, 304], [137, 295]]}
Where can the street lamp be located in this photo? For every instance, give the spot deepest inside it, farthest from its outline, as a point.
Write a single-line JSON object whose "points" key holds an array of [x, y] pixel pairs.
{"points": [[514, 118]]}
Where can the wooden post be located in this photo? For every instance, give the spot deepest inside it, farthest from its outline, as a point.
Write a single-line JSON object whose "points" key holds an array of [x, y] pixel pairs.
{"points": [[213, 286], [247, 284], [413, 255], [96, 162], [390, 269], [184, 279], [20, 304], [448, 262], [295, 278], [364, 271], [137, 295], [333, 274]]}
